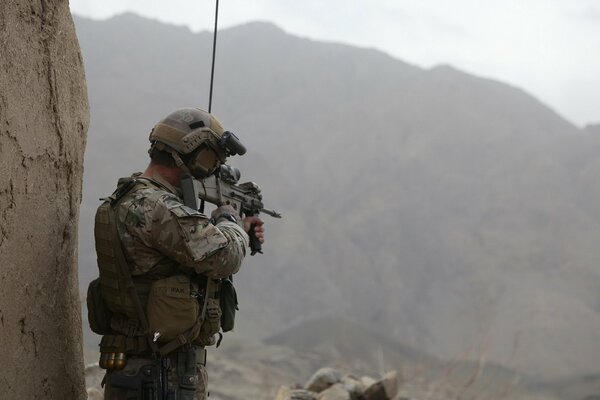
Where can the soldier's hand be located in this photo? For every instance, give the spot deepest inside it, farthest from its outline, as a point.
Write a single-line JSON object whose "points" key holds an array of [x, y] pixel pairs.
{"points": [[259, 227]]}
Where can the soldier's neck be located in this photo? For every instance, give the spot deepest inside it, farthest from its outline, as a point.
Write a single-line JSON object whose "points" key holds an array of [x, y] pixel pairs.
{"points": [[170, 174]]}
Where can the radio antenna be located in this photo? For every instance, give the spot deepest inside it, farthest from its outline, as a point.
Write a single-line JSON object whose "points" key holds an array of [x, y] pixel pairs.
{"points": [[214, 49]]}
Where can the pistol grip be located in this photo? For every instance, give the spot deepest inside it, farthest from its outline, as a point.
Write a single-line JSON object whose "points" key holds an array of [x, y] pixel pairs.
{"points": [[255, 245]]}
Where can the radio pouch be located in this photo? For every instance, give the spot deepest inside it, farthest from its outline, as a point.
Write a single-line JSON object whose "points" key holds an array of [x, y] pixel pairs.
{"points": [[98, 313], [229, 304]]}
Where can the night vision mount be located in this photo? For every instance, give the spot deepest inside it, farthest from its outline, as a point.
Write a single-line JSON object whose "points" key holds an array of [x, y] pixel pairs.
{"points": [[231, 144]]}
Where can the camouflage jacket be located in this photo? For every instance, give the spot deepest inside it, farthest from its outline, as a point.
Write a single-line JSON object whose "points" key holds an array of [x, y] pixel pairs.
{"points": [[157, 231]]}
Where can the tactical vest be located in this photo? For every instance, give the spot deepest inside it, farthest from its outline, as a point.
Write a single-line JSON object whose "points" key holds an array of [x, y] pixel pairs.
{"points": [[112, 287], [163, 280]]}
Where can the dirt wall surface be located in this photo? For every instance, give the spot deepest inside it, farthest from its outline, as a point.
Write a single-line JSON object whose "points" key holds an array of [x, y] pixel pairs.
{"points": [[43, 124]]}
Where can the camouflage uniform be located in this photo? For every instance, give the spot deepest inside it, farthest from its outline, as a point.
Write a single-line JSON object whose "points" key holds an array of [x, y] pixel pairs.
{"points": [[161, 237]]}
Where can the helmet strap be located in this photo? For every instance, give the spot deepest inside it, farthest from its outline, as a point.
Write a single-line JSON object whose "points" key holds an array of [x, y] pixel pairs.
{"points": [[179, 161]]}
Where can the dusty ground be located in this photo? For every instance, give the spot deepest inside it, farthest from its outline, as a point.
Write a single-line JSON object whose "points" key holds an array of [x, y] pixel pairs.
{"points": [[241, 371]]}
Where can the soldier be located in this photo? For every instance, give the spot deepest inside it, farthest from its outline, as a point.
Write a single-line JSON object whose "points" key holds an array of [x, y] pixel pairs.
{"points": [[177, 260]]}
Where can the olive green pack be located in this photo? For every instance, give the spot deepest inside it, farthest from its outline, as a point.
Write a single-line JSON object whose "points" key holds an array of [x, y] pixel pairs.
{"points": [[173, 306], [99, 314], [228, 304]]}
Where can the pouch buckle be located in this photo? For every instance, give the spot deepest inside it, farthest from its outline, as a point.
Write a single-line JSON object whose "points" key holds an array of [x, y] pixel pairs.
{"points": [[181, 339], [132, 325], [213, 313]]}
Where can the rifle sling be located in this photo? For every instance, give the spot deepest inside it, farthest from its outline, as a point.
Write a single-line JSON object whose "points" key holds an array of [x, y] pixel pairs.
{"points": [[126, 276]]}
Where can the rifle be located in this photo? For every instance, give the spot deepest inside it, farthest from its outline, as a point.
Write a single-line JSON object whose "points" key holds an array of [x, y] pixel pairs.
{"points": [[222, 188]]}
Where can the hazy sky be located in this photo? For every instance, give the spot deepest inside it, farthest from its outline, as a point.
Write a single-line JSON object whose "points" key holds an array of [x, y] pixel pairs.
{"points": [[551, 48]]}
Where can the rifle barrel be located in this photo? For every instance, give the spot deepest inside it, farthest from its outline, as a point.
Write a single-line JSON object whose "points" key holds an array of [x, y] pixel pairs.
{"points": [[272, 213]]}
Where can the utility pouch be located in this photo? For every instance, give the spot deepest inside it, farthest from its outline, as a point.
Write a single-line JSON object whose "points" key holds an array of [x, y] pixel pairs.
{"points": [[149, 382], [113, 352], [99, 315], [229, 304], [113, 344], [210, 325], [173, 306]]}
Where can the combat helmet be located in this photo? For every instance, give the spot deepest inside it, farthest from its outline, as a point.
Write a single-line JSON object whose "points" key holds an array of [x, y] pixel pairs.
{"points": [[196, 140]]}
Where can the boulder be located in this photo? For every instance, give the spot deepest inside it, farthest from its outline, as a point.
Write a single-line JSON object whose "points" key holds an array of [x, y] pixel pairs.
{"points": [[335, 392], [385, 389], [367, 381], [354, 386], [286, 393], [323, 379]]}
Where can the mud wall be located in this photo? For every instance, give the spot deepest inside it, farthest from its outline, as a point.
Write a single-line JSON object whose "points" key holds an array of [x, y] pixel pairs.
{"points": [[43, 126]]}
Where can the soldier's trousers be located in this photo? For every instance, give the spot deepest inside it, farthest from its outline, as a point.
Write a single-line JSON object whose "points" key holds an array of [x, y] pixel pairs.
{"points": [[187, 378]]}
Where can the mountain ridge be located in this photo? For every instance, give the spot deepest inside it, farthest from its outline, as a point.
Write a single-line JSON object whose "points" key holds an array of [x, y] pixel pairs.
{"points": [[431, 203]]}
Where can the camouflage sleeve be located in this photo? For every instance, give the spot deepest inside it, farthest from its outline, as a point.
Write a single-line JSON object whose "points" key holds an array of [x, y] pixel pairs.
{"points": [[189, 238], [237, 246]]}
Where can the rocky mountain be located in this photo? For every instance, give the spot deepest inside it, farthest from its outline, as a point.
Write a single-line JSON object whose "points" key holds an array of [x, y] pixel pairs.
{"points": [[454, 213], [593, 128]]}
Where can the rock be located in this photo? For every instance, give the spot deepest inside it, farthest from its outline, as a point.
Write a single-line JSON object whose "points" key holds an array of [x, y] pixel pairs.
{"points": [[323, 379], [354, 386], [385, 389], [285, 393], [335, 392], [301, 394], [94, 394], [367, 381], [93, 378]]}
